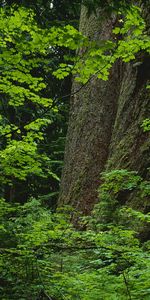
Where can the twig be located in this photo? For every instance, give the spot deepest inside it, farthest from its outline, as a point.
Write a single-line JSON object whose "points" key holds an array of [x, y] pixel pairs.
{"points": [[39, 275], [127, 286]]}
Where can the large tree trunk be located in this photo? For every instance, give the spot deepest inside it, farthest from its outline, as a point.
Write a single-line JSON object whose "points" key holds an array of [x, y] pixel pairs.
{"points": [[104, 127], [129, 145]]}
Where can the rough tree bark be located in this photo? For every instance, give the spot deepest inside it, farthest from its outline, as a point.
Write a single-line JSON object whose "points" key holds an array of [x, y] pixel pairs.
{"points": [[104, 127]]}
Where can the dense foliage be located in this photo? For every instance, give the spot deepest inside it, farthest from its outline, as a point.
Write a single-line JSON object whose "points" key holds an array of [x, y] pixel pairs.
{"points": [[43, 255], [33, 116]]}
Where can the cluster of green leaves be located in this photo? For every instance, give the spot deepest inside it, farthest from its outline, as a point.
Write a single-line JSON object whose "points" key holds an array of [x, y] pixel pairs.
{"points": [[146, 125], [99, 56], [114, 182], [43, 256]]}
